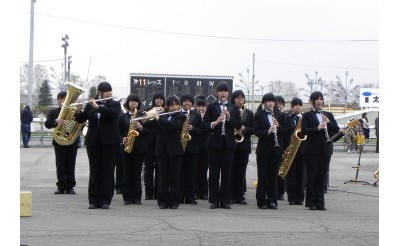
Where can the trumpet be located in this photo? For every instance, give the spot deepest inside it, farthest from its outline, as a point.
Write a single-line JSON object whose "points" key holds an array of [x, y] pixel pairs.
{"points": [[97, 100]]}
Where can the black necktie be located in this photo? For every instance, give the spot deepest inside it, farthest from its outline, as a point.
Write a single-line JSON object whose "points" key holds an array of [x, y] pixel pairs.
{"points": [[317, 112]]}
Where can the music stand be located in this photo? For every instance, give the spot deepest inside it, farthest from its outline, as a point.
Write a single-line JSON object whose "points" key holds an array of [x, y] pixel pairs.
{"points": [[358, 168]]}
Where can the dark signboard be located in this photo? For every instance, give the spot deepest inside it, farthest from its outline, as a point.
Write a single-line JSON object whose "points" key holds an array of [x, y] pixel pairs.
{"points": [[145, 85]]}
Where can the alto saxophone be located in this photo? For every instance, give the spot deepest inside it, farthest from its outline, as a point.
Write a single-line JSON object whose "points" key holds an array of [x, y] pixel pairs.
{"points": [[239, 137], [132, 134], [185, 136], [291, 150]]}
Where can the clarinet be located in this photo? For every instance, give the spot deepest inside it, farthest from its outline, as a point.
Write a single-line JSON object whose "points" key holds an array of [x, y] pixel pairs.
{"points": [[223, 101], [275, 132], [328, 139]]}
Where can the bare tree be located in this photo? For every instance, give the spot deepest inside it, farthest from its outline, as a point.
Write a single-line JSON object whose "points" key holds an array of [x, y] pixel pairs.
{"points": [[344, 91], [40, 73], [287, 89]]}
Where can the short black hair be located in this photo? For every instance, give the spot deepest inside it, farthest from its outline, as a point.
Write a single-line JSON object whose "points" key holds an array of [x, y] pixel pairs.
{"points": [[158, 95], [27, 107], [315, 95], [236, 94], [134, 98], [222, 86], [201, 101], [62, 94], [268, 97], [186, 97], [170, 100], [104, 86], [296, 101], [280, 99]]}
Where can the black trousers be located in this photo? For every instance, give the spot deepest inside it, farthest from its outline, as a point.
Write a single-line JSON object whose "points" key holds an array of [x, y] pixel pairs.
{"points": [[201, 182], [65, 166], [220, 165], [317, 167], [267, 173], [295, 179], [101, 176], [169, 168], [131, 184], [238, 176], [119, 170], [151, 175], [188, 174]]}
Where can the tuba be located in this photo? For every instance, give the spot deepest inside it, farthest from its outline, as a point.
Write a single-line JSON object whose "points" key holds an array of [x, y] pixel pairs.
{"points": [[67, 133], [132, 134], [185, 136], [239, 137], [291, 150]]}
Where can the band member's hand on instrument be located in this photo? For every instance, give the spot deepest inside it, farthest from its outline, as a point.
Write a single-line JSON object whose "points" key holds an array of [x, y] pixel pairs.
{"points": [[79, 107], [60, 121], [242, 128], [94, 103], [221, 118], [189, 127], [322, 126], [325, 119], [138, 125], [271, 129], [125, 140]]}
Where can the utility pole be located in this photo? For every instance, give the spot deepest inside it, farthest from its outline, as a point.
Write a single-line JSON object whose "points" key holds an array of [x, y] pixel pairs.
{"points": [[30, 73], [65, 45], [69, 68], [252, 84]]}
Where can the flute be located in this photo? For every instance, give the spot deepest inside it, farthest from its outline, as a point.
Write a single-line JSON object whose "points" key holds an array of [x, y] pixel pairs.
{"points": [[97, 100]]}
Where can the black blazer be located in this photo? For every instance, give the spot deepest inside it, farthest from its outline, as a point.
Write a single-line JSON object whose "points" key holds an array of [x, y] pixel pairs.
{"points": [[193, 145], [266, 142], [316, 140], [51, 123], [169, 134], [248, 122], [215, 140], [105, 127], [140, 145]]}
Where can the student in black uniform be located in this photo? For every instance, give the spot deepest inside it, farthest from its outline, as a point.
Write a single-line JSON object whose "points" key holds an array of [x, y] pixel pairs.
{"points": [[221, 118], [169, 152], [65, 154], [243, 149], [102, 143], [137, 145]]}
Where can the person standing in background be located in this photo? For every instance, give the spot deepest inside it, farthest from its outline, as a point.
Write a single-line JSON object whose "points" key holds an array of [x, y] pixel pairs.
{"points": [[26, 120], [365, 126], [65, 155], [377, 133]]}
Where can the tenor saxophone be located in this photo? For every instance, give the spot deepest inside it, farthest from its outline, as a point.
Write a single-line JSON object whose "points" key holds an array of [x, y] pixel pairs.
{"points": [[291, 150], [239, 137], [132, 134], [185, 136]]}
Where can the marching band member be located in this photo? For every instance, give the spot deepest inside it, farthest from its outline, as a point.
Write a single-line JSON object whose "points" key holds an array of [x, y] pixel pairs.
{"points": [[151, 166], [220, 119], [102, 143], [169, 152], [317, 150], [242, 151], [132, 161], [269, 152], [190, 160], [280, 104]]}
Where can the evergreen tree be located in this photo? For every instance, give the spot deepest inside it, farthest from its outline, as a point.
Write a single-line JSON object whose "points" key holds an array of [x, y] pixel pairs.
{"points": [[44, 97], [92, 92]]}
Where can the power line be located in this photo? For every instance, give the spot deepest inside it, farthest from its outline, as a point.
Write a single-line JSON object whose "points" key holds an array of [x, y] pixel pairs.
{"points": [[45, 60], [216, 36]]}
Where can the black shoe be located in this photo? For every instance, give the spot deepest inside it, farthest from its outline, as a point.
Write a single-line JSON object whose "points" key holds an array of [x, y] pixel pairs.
{"points": [[321, 208], [231, 202], [118, 191], [298, 203], [312, 208], [190, 201], [272, 205], [241, 202], [262, 207], [92, 206], [137, 202], [291, 203], [281, 198], [214, 205], [163, 206], [196, 197], [59, 191], [148, 198], [173, 206], [203, 197], [225, 205], [105, 206], [70, 191], [128, 202]]}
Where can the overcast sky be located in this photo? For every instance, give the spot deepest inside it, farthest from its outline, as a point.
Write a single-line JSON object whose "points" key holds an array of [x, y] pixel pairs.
{"points": [[289, 38]]}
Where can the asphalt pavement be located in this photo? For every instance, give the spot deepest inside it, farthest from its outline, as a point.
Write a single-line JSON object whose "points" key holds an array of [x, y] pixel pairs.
{"points": [[352, 216]]}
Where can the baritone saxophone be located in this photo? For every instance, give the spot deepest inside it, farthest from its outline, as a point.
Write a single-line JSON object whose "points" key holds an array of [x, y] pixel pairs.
{"points": [[132, 134], [291, 150]]}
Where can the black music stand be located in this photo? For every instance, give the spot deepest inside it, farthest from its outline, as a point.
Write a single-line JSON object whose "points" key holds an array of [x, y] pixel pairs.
{"points": [[358, 168]]}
